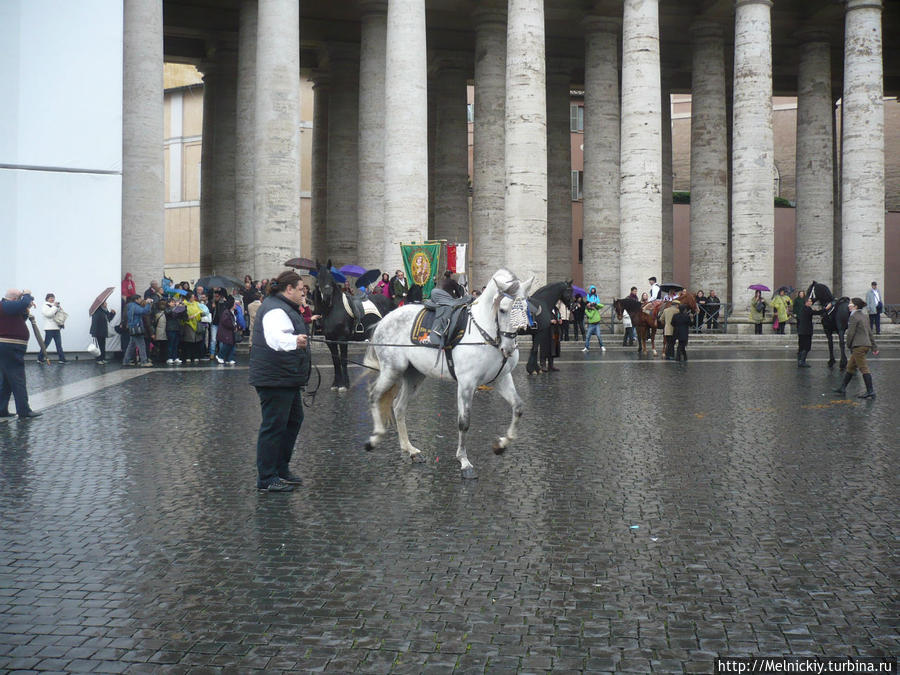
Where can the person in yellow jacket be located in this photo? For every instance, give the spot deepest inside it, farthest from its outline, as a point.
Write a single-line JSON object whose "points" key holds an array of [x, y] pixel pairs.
{"points": [[757, 311], [781, 306]]}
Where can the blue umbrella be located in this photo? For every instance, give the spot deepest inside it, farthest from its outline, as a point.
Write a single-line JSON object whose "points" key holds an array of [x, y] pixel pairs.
{"points": [[353, 270], [337, 276]]}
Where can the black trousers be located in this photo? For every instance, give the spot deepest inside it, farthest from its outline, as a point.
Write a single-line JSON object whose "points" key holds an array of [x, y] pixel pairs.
{"points": [[282, 415], [101, 343], [682, 351], [12, 377], [804, 343]]}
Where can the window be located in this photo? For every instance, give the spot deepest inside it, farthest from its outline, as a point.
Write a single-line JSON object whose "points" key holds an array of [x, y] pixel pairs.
{"points": [[576, 118], [777, 179], [577, 185], [581, 250], [470, 112]]}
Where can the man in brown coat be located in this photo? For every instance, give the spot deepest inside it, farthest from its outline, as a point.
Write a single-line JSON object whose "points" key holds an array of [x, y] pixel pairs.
{"points": [[669, 331], [859, 341]]}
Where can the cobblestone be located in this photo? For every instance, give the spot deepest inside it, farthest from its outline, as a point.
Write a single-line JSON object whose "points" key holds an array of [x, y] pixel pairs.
{"points": [[649, 518]]}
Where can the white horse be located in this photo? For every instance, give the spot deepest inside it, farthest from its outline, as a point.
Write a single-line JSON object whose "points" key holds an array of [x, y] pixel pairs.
{"points": [[488, 352]]}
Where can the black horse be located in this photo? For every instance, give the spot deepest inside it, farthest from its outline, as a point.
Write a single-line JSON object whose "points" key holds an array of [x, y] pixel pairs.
{"points": [[340, 326], [542, 304], [834, 321]]}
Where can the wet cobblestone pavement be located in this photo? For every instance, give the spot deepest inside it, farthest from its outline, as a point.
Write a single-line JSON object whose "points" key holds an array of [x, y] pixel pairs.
{"points": [[649, 518]]}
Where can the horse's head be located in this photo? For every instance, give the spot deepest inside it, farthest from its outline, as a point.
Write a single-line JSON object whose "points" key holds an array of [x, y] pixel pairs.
{"points": [[568, 295], [326, 286], [619, 308], [510, 309], [687, 298], [819, 293]]}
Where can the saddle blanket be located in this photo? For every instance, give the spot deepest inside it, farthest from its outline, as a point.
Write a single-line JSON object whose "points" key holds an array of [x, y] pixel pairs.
{"points": [[369, 307], [424, 320]]}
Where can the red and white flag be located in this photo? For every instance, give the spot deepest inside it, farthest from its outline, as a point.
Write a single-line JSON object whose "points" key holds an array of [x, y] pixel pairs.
{"points": [[456, 258]]}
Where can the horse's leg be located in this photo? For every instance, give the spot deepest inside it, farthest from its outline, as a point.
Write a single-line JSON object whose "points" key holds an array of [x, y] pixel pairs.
{"points": [[843, 350], [507, 389], [345, 377], [464, 393], [653, 341], [411, 380], [336, 363], [380, 398], [830, 337]]}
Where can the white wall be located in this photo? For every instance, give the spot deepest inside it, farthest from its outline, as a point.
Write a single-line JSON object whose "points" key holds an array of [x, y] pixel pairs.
{"points": [[61, 153]]}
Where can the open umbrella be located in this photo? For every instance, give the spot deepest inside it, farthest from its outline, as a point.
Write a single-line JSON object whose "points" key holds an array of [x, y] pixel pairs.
{"points": [[95, 305], [367, 278], [218, 281], [301, 263], [671, 287], [786, 289], [759, 287], [337, 276], [352, 270], [577, 290], [176, 291]]}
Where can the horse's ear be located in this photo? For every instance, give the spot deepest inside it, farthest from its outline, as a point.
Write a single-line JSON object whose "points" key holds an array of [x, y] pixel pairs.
{"points": [[569, 282], [526, 286]]}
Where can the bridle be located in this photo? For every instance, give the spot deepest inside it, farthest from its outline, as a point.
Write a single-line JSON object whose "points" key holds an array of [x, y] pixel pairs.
{"points": [[518, 318]]}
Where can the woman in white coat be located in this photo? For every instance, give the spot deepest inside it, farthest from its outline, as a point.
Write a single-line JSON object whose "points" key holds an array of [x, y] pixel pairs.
{"points": [[52, 330]]}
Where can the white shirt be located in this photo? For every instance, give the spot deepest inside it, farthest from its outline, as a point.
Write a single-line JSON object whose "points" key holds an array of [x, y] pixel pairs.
{"points": [[279, 331], [654, 291]]}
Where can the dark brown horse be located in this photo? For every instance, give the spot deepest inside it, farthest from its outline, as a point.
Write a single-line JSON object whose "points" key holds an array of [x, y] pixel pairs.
{"points": [[646, 319]]}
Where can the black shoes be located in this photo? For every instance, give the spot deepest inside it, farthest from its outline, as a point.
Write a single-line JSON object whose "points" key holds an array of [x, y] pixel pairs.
{"points": [[842, 390], [30, 414], [291, 479], [275, 485], [870, 388]]}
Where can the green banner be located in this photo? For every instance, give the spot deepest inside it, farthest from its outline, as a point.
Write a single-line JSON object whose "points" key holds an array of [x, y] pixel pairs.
{"points": [[421, 262]]}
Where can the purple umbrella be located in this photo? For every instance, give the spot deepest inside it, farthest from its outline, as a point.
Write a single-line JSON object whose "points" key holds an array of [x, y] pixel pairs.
{"points": [[353, 270], [578, 291], [759, 287]]}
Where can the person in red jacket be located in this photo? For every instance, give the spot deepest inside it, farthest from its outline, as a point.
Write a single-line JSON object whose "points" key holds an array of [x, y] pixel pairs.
{"points": [[13, 343]]}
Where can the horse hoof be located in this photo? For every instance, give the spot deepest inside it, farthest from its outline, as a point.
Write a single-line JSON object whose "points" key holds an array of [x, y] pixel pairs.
{"points": [[831, 364], [341, 389], [655, 353], [418, 458], [369, 446], [469, 473], [499, 447]]}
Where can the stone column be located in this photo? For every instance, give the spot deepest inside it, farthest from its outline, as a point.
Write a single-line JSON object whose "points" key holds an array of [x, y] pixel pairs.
{"points": [[343, 153], [319, 178], [245, 140], [451, 161], [489, 151], [372, 46], [143, 183], [753, 187], [559, 171], [815, 145], [207, 169], [667, 267], [862, 177], [526, 141], [405, 129], [600, 240], [709, 162], [277, 120], [640, 205], [223, 158]]}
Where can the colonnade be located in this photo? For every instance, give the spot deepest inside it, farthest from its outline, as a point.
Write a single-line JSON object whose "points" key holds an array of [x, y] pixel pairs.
{"points": [[370, 146]]}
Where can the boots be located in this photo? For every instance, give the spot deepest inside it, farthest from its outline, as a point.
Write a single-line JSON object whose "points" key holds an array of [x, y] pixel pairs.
{"points": [[842, 390], [801, 363], [870, 389], [625, 340]]}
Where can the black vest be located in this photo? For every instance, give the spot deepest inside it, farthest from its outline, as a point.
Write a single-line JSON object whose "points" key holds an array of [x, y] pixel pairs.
{"points": [[270, 368]]}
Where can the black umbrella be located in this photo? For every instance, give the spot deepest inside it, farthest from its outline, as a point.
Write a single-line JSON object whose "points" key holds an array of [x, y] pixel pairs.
{"points": [[301, 263], [671, 287], [786, 289], [218, 281], [368, 277]]}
